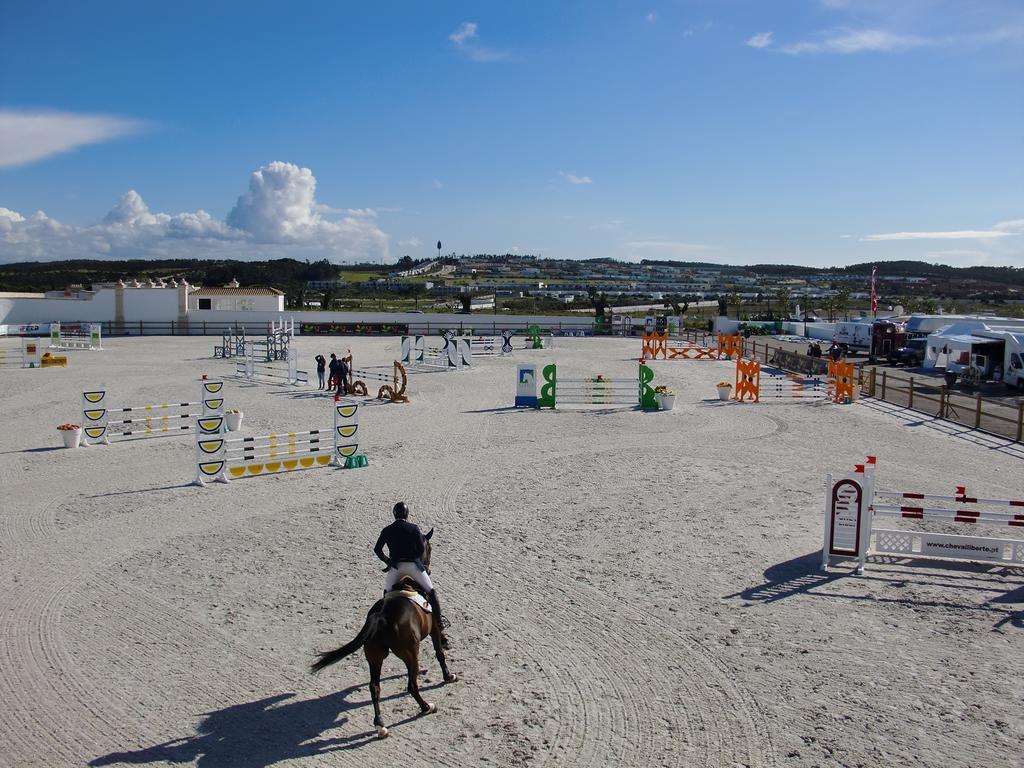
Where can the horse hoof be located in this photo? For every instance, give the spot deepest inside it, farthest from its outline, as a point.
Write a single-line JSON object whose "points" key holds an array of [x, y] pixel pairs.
{"points": [[431, 708], [382, 732], [452, 679]]}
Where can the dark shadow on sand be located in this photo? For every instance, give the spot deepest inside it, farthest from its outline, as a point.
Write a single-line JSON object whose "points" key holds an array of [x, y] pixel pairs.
{"points": [[269, 731], [803, 576]]}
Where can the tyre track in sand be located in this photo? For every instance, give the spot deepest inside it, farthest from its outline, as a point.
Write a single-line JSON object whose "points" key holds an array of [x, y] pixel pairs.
{"points": [[722, 723], [56, 708]]}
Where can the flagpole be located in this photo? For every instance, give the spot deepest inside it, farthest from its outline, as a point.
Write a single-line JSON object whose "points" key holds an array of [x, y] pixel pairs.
{"points": [[874, 294]]}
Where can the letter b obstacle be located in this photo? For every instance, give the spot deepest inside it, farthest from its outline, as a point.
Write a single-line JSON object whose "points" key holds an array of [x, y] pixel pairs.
{"points": [[590, 390]]}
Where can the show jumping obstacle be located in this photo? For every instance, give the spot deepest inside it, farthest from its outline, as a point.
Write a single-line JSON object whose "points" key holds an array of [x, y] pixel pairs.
{"points": [[232, 344], [76, 339], [29, 355], [148, 420], [534, 340], [225, 458], [591, 390], [852, 504], [491, 346], [274, 347], [455, 354], [277, 344], [657, 345], [393, 389], [251, 368], [754, 385]]}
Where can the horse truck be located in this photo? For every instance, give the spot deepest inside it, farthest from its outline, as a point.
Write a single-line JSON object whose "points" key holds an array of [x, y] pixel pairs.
{"points": [[879, 338]]}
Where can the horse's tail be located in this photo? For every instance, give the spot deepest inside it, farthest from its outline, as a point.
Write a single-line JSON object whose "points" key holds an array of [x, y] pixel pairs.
{"points": [[374, 620]]}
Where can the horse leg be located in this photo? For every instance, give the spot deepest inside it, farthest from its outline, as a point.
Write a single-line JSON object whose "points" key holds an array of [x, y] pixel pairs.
{"points": [[435, 638], [412, 666], [375, 658]]}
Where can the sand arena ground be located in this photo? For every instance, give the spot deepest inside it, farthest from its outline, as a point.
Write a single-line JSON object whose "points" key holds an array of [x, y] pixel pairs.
{"points": [[624, 588]]}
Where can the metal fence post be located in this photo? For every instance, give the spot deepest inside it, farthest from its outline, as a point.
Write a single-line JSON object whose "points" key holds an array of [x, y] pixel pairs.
{"points": [[977, 412], [1020, 420], [883, 384], [910, 401]]}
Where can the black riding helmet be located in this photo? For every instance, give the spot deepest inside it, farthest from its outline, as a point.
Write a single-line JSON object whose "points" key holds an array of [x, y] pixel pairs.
{"points": [[401, 511]]}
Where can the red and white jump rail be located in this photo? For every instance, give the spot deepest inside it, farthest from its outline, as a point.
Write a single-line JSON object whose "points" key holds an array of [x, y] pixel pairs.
{"points": [[852, 505]]}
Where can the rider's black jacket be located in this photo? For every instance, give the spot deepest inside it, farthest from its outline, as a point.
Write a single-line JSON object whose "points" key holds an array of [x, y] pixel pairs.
{"points": [[404, 542]]}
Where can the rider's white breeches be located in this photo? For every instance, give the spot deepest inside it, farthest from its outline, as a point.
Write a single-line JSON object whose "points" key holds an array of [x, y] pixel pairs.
{"points": [[394, 575]]}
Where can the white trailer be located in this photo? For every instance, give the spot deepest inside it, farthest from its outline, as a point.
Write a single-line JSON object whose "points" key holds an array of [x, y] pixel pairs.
{"points": [[979, 354], [1011, 361], [853, 333]]}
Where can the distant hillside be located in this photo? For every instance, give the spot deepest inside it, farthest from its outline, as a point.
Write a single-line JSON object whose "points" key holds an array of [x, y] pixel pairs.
{"points": [[1007, 276], [287, 274], [291, 276]]}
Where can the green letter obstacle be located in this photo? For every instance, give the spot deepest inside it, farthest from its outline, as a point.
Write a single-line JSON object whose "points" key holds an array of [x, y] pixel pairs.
{"points": [[596, 390]]}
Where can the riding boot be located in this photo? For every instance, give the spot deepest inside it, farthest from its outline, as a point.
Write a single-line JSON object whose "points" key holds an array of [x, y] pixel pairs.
{"points": [[435, 608]]}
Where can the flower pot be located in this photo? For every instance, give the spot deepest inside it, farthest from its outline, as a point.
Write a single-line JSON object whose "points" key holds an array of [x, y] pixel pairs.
{"points": [[71, 437], [234, 421], [724, 392], [666, 401]]}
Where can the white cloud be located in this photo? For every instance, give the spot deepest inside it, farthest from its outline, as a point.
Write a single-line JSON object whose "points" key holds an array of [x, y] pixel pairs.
{"points": [[699, 28], [466, 32], [278, 216], [1016, 226], [964, 234], [573, 178], [847, 41], [436, 184], [464, 39], [651, 17], [131, 211], [26, 137], [278, 208], [9, 217], [761, 40], [412, 242]]}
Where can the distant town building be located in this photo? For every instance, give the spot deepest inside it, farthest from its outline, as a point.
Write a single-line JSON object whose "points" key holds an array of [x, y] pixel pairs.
{"points": [[325, 285]]}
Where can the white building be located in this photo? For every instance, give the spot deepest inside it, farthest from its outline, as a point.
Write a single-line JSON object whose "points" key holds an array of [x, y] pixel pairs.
{"points": [[124, 303], [237, 299]]}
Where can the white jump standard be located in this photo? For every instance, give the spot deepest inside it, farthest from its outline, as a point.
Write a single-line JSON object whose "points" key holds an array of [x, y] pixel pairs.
{"points": [[455, 354], [167, 419], [491, 346], [28, 355], [251, 368], [76, 339], [223, 459], [852, 505]]}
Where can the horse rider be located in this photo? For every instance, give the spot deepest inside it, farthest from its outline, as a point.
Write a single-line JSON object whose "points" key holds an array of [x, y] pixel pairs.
{"points": [[406, 546]]}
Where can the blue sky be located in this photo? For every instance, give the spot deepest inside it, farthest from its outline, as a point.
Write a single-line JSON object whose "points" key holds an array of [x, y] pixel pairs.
{"points": [[818, 132]]}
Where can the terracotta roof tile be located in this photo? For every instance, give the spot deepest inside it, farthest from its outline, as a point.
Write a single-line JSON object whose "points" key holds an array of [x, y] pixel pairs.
{"points": [[237, 292]]}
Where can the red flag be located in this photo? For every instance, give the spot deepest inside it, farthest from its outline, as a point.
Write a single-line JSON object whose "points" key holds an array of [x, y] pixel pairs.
{"points": [[874, 296]]}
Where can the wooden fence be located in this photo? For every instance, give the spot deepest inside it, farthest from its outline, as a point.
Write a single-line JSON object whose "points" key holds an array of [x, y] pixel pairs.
{"points": [[921, 394]]}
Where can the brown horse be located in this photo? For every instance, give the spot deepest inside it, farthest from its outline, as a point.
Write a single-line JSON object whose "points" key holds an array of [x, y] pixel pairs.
{"points": [[396, 625]]}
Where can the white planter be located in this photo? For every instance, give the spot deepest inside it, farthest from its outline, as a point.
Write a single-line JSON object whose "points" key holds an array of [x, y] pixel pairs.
{"points": [[234, 421], [724, 392], [71, 437], [665, 401]]}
